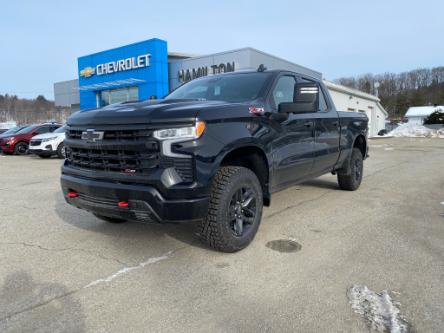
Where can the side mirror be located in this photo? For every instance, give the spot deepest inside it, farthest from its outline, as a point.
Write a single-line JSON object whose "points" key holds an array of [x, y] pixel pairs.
{"points": [[306, 99]]}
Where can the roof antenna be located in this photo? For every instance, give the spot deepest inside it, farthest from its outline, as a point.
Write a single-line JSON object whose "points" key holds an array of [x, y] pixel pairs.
{"points": [[261, 68]]}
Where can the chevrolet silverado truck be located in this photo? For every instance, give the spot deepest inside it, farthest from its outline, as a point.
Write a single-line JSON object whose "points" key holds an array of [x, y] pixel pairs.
{"points": [[213, 151]]}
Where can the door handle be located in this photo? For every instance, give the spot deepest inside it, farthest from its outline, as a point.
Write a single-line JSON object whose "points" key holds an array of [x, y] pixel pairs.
{"points": [[336, 123], [308, 124]]}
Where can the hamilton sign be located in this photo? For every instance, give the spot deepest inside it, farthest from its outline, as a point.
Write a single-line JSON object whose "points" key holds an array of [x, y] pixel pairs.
{"points": [[121, 65], [189, 74]]}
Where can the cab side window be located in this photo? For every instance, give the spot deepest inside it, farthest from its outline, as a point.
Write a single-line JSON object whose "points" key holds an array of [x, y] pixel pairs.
{"points": [[284, 90]]}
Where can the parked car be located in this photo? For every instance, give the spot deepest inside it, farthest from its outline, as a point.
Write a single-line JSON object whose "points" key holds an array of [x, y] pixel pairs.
{"points": [[9, 133], [48, 144], [5, 126], [18, 142], [212, 151], [12, 130]]}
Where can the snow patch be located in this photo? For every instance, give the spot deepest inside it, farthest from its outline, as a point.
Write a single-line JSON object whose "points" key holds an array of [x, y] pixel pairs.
{"points": [[416, 131], [380, 311], [129, 269]]}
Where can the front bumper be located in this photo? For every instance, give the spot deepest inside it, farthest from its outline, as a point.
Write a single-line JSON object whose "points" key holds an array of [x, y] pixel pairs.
{"points": [[145, 202], [44, 148], [7, 148]]}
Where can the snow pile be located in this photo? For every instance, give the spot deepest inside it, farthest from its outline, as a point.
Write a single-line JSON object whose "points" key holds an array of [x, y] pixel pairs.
{"points": [[380, 311], [416, 131]]}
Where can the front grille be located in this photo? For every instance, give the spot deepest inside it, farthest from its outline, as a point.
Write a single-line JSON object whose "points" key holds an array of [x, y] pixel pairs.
{"points": [[129, 151], [117, 160], [35, 142], [115, 135]]}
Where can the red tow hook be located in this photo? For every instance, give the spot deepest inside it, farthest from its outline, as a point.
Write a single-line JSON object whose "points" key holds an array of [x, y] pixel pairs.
{"points": [[73, 194], [123, 204]]}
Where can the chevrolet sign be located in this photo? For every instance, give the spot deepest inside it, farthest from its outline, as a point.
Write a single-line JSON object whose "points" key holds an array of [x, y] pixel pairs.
{"points": [[121, 65]]}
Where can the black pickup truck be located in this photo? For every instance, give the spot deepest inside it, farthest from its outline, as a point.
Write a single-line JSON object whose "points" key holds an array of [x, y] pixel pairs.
{"points": [[213, 151]]}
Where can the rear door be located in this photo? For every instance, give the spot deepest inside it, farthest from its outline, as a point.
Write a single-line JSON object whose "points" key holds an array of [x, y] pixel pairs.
{"points": [[327, 130], [293, 147]]}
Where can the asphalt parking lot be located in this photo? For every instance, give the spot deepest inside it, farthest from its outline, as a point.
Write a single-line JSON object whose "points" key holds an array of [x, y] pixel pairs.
{"points": [[61, 269]]}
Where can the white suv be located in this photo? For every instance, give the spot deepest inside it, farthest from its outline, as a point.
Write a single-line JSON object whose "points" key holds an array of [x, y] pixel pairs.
{"points": [[48, 144]]}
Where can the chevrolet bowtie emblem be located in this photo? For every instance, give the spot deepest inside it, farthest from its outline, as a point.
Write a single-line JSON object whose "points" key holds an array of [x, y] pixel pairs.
{"points": [[91, 135], [87, 72]]}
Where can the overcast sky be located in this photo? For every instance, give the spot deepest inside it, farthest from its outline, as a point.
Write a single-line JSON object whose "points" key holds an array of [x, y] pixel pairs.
{"points": [[41, 40]]}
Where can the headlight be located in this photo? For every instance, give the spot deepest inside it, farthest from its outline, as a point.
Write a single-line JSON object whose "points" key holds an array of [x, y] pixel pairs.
{"points": [[185, 133], [10, 140], [49, 139]]}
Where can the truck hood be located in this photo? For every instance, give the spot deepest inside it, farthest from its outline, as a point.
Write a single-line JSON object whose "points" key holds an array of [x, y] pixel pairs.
{"points": [[146, 112]]}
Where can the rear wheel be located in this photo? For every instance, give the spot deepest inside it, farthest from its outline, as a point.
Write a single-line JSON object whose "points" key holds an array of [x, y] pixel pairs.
{"points": [[21, 148], [351, 181], [109, 219], [235, 210], [61, 151]]}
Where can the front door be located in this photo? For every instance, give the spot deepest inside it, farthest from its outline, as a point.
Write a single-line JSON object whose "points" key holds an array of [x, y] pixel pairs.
{"points": [[293, 147]]}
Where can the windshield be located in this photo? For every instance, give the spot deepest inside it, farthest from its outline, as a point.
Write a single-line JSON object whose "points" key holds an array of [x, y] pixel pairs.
{"points": [[229, 88], [60, 130], [28, 129]]}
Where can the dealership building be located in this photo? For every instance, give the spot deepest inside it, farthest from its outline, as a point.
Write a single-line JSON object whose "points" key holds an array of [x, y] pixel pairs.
{"points": [[147, 70]]}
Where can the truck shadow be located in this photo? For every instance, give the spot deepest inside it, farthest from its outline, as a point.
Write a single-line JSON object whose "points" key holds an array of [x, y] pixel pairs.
{"points": [[30, 306], [141, 233], [138, 232], [322, 183]]}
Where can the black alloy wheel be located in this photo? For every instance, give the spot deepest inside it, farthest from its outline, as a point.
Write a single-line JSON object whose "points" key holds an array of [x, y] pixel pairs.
{"points": [[235, 210], [242, 210]]}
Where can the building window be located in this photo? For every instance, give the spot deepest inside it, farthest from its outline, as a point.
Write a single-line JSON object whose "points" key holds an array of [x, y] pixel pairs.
{"points": [[112, 96]]}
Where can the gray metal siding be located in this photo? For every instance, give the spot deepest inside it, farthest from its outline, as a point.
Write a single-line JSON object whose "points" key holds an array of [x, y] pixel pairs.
{"points": [[66, 93], [244, 59]]}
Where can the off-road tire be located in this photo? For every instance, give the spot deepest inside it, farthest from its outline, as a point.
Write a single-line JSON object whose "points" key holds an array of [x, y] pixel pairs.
{"points": [[110, 219], [60, 151], [352, 180], [21, 148], [216, 230]]}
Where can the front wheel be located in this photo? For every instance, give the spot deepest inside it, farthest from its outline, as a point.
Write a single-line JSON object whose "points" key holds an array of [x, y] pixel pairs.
{"points": [[352, 180], [21, 148], [235, 210]]}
